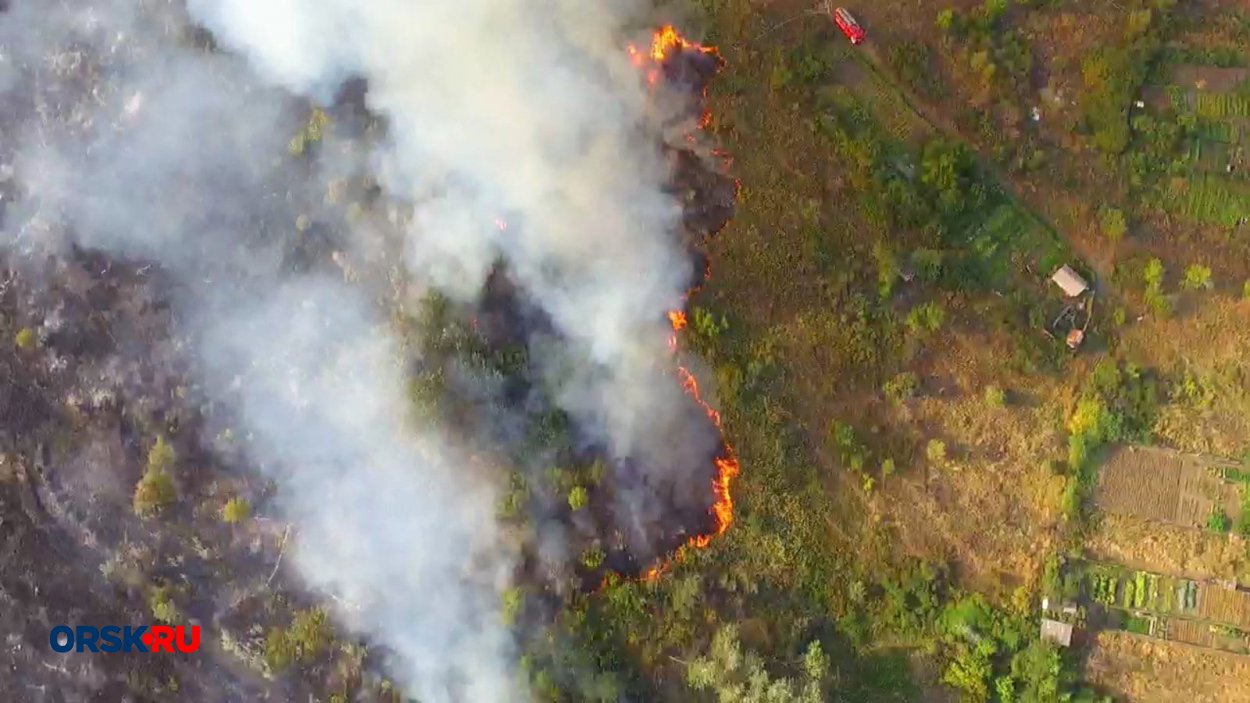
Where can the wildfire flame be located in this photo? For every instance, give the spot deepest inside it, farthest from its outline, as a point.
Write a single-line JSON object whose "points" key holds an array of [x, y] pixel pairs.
{"points": [[664, 44]]}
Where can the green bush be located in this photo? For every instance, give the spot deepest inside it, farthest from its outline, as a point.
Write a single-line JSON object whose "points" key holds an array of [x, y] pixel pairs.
{"points": [[578, 497], [512, 599], [926, 317], [25, 339], [1219, 521], [236, 510], [155, 490], [1113, 224], [902, 386], [593, 558], [1197, 277], [995, 397], [161, 603], [308, 636]]}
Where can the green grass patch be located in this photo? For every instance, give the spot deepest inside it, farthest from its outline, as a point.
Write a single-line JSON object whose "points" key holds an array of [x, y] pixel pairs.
{"points": [[1221, 105], [1214, 200]]}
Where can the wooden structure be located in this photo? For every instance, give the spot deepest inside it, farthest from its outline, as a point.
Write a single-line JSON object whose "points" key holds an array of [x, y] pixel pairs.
{"points": [[1070, 281]]}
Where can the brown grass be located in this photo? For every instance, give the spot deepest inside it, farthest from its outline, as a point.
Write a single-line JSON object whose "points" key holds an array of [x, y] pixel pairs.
{"points": [[1145, 670], [1151, 546], [1212, 341]]}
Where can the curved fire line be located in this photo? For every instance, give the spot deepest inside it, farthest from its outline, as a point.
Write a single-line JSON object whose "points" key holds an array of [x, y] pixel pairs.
{"points": [[665, 42]]}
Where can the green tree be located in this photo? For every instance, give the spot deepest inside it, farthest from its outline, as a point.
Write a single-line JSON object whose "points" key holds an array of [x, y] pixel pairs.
{"points": [[935, 451], [947, 171], [970, 673], [734, 676]]}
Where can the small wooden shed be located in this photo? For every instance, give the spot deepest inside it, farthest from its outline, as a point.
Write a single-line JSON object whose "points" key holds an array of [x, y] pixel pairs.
{"points": [[1058, 632], [1070, 281]]}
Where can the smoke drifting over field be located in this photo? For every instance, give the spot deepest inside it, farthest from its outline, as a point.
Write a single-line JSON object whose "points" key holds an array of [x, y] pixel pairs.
{"points": [[519, 134]]}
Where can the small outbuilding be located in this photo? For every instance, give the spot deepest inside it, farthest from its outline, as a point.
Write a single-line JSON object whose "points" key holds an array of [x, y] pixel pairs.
{"points": [[1058, 632], [1070, 281]]}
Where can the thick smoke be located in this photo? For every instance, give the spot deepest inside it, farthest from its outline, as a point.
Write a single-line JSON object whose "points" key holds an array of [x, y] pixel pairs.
{"points": [[530, 113], [518, 132]]}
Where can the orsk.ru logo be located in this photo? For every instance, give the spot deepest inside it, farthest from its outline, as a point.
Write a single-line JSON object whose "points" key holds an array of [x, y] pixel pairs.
{"points": [[116, 638]]}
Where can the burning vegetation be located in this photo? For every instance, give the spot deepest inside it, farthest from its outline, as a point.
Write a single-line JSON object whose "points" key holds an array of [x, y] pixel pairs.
{"points": [[111, 388]]}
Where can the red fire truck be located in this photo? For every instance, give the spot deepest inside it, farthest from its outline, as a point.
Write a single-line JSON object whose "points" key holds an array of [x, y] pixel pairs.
{"points": [[848, 25]]}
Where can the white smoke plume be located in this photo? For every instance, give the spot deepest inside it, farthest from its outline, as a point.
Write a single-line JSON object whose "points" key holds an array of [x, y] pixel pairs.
{"points": [[521, 112], [529, 111]]}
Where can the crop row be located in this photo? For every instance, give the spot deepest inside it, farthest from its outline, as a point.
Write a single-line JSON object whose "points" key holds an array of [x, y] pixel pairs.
{"points": [[1222, 105]]}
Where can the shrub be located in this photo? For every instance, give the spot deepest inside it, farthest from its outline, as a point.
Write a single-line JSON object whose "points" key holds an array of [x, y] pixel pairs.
{"points": [[308, 636], [1153, 275], [935, 450], [161, 603], [155, 490], [1197, 277], [1113, 223], [512, 503], [995, 397], [236, 510], [1219, 521], [707, 325], [511, 604], [902, 386], [578, 497], [593, 558], [25, 339], [927, 317], [279, 649]]}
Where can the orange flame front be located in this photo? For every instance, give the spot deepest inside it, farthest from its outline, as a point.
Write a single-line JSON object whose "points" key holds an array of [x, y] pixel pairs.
{"points": [[664, 43]]}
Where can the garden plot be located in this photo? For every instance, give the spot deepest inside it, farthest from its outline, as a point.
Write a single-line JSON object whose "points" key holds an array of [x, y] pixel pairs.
{"points": [[1217, 99], [1225, 605], [1215, 200], [1202, 634], [898, 118], [1166, 486], [1207, 614], [1126, 589]]}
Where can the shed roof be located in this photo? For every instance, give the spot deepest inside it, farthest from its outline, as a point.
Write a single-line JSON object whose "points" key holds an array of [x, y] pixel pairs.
{"points": [[1058, 632], [1070, 281]]}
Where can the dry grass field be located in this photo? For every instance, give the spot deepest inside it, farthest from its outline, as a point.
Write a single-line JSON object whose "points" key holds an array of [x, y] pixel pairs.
{"points": [[1144, 670], [1151, 546]]}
